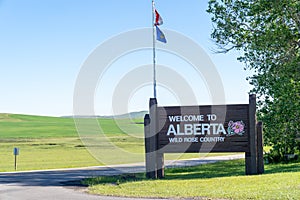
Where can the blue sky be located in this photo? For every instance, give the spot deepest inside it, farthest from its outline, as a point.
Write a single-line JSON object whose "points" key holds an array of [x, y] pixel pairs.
{"points": [[43, 45]]}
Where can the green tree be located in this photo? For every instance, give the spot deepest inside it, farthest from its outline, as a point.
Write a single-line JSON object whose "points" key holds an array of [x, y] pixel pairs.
{"points": [[267, 33]]}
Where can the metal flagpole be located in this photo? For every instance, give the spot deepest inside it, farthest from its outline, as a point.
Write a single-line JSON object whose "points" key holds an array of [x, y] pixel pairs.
{"points": [[154, 55]]}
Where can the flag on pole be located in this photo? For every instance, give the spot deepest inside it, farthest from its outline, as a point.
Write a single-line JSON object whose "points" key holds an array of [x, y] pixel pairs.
{"points": [[160, 36], [158, 19]]}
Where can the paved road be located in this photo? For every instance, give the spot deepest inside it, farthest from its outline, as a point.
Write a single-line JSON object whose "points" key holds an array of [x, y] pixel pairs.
{"points": [[63, 184]]}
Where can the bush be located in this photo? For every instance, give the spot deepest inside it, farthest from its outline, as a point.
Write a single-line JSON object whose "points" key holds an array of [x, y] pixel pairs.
{"points": [[275, 157]]}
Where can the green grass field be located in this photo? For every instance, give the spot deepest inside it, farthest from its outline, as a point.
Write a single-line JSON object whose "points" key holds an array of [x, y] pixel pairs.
{"points": [[44, 142], [53, 142], [223, 180]]}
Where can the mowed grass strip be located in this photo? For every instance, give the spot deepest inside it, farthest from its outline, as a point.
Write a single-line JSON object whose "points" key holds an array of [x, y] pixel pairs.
{"points": [[223, 180], [50, 153]]}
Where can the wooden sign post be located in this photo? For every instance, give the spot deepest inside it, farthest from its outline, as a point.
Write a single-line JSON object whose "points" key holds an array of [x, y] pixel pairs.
{"points": [[194, 129]]}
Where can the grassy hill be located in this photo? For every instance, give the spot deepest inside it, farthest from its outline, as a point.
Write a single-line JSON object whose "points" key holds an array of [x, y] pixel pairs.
{"points": [[27, 126]]}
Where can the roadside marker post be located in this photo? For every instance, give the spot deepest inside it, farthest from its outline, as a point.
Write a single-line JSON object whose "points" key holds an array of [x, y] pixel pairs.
{"points": [[16, 153]]}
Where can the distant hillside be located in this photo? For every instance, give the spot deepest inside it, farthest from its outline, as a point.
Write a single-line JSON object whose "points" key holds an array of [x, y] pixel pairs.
{"points": [[132, 115], [7, 117]]}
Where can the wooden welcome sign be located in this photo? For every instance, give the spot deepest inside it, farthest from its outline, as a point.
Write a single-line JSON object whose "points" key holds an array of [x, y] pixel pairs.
{"points": [[193, 129]]}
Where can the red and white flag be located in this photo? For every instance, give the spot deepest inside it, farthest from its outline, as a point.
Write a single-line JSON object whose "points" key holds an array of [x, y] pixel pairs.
{"points": [[158, 19]]}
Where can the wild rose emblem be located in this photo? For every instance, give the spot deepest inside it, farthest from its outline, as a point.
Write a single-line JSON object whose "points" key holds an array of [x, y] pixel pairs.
{"points": [[236, 128]]}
